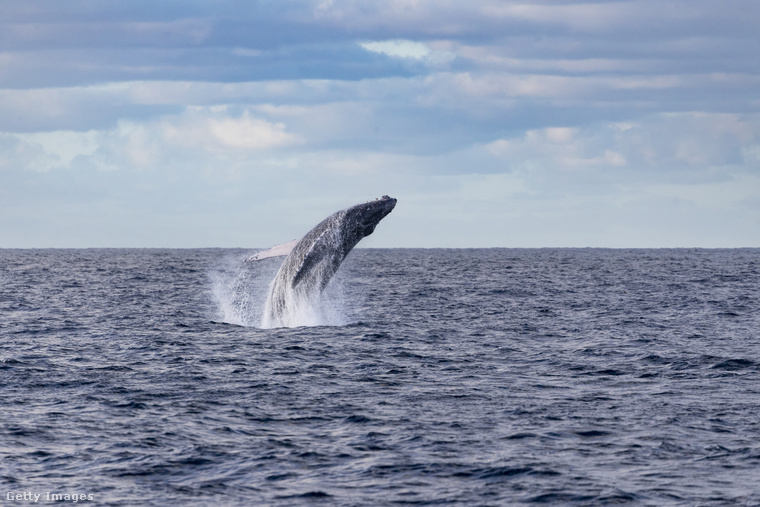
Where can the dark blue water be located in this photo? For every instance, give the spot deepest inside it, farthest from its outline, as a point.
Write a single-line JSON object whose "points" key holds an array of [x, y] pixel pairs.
{"points": [[460, 377]]}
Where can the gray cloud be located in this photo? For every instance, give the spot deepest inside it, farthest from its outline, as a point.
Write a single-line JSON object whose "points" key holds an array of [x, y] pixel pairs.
{"points": [[180, 40]]}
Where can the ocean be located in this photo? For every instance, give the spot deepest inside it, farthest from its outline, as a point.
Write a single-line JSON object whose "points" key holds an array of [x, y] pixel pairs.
{"points": [[458, 377]]}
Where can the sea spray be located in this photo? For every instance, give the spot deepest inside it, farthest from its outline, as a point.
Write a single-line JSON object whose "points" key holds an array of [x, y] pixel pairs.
{"points": [[301, 308], [240, 291]]}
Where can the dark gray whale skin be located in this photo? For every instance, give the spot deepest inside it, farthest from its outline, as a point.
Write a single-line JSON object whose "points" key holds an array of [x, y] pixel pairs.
{"points": [[314, 260]]}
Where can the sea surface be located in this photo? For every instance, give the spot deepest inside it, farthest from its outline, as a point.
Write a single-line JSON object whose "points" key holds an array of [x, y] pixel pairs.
{"points": [[423, 377]]}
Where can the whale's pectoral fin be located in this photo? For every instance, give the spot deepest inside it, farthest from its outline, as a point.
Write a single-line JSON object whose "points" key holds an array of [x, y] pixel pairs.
{"points": [[319, 250], [275, 251]]}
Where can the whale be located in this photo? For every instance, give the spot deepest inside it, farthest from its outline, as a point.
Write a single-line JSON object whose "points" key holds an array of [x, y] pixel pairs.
{"points": [[312, 262]]}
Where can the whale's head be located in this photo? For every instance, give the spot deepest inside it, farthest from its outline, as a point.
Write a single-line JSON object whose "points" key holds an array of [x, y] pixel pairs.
{"points": [[362, 219]]}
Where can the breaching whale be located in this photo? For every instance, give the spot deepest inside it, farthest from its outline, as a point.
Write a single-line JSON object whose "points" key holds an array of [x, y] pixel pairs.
{"points": [[313, 261]]}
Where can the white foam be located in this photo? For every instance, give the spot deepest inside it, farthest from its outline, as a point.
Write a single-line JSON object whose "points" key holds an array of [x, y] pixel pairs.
{"points": [[324, 309], [240, 291]]}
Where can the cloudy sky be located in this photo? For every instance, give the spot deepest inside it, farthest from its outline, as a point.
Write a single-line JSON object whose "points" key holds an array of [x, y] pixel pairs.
{"points": [[200, 123]]}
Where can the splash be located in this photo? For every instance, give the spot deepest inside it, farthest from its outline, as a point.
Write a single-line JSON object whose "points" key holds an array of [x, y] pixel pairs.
{"points": [[299, 308], [241, 294]]}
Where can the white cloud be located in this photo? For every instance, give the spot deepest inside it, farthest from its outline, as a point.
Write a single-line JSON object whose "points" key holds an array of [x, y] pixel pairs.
{"points": [[204, 132], [215, 132], [398, 48], [132, 145], [410, 50], [59, 148]]}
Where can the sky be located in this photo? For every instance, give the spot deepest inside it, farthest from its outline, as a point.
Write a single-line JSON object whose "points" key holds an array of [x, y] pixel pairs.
{"points": [[231, 123]]}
